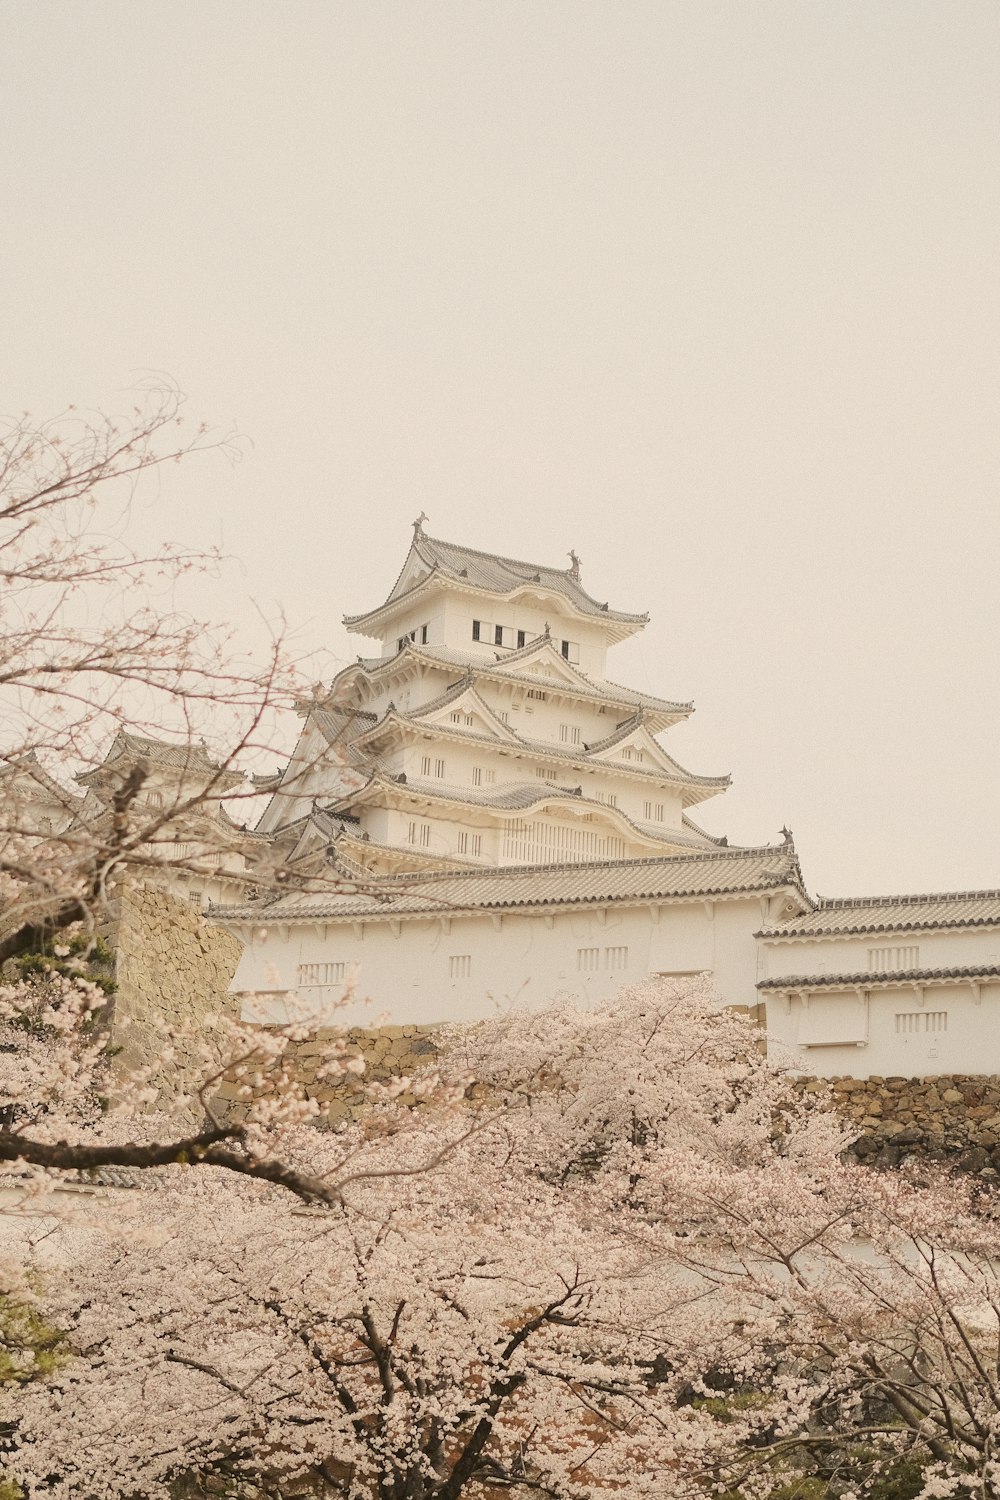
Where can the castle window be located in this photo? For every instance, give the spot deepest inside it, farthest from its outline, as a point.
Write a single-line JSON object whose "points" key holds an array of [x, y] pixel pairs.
{"points": [[194, 898], [891, 960], [470, 843], [439, 768], [423, 635], [537, 693], [571, 650], [911, 1022], [502, 716], [546, 774], [456, 718], [419, 833], [460, 966], [653, 812], [402, 640], [154, 799], [468, 721], [481, 777], [481, 630], [425, 766], [569, 734], [310, 974], [522, 636], [588, 960], [616, 958]]}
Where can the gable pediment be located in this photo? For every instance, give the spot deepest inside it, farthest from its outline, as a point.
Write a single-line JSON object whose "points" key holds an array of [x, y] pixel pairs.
{"points": [[542, 660], [469, 713], [633, 749]]}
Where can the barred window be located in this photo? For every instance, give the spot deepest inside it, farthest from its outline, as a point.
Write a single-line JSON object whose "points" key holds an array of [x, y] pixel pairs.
{"points": [[460, 966], [616, 958], [588, 960], [912, 1022]]}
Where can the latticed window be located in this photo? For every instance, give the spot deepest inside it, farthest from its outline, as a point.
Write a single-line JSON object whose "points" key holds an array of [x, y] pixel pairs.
{"points": [[325, 973], [460, 966], [891, 960], [912, 1022], [540, 842], [616, 958], [588, 960]]}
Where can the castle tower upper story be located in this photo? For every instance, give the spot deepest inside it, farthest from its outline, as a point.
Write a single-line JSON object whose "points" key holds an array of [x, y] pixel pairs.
{"points": [[454, 597], [486, 731]]}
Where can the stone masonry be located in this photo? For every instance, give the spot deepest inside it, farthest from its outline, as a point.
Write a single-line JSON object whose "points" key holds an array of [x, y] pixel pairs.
{"points": [[954, 1118]]}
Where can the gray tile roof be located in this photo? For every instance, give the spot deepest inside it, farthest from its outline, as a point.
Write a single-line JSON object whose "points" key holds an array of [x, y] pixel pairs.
{"points": [[537, 887], [892, 914], [501, 575], [601, 689], [881, 981], [564, 754], [186, 756]]}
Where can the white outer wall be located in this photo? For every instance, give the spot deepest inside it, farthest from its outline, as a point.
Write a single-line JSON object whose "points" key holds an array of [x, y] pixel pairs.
{"points": [[971, 1043], [522, 962]]}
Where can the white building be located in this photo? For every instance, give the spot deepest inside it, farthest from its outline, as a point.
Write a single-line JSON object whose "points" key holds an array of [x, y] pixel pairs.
{"points": [[478, 817], [894, 985]]}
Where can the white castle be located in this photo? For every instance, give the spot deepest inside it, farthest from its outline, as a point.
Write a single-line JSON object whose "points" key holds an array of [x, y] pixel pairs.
{"points": [[503, 826]]}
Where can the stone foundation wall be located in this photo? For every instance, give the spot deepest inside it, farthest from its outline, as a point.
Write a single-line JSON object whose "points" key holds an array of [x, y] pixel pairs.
{"points": [[173, 968], [952, 1118], [388, 1051]]}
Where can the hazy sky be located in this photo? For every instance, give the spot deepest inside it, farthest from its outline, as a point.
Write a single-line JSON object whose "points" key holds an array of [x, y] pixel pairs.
{"points": [[708, 291]]}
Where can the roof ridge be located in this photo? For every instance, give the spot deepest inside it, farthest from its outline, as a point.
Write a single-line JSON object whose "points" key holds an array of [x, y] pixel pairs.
{"points": [[518, 562], [847, 903], [497, 871]]}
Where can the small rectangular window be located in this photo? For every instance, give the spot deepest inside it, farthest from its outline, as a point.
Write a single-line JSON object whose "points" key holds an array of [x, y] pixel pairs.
{"points": [[468, 721], [498, 635], [460, 966], [489, 777], [332, 973], [411, 834], [912, 1022], [546, 773], [477, 776], [569, 734], [571, 650], [477, 843], [154, 799], [439, 769], [647, 810], [588, 960], [194, 898], [425, 834], [658, 812], [502, 716], [456, 718], [538, 694], [481, 630], [425, 766], [423, 635], [891, 960], [463, 843], [522, 636], [616, 958]]}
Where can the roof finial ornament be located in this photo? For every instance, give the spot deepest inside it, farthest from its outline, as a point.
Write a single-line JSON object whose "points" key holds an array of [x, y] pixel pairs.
{"points": [[418, 525], [786, 838], [548, 632], [574, 566]]}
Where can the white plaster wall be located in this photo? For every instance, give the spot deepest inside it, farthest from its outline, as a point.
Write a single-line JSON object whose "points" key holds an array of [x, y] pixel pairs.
{"points": [[850, 955], [405, 972], [532, 618], [969, 1044]]}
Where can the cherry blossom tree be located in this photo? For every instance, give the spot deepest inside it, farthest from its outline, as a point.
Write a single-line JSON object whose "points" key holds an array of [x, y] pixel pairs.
{"points": [[505, 1322]]}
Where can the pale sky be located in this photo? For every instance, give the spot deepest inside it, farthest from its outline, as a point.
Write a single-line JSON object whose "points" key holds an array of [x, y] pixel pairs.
{"points": [[708, 291]]}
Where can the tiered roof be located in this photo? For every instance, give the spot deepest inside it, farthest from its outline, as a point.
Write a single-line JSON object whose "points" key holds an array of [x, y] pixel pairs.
{"points": [[880, 914], [660, 712], [531, 888], [487, 572], [890, 979]]}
